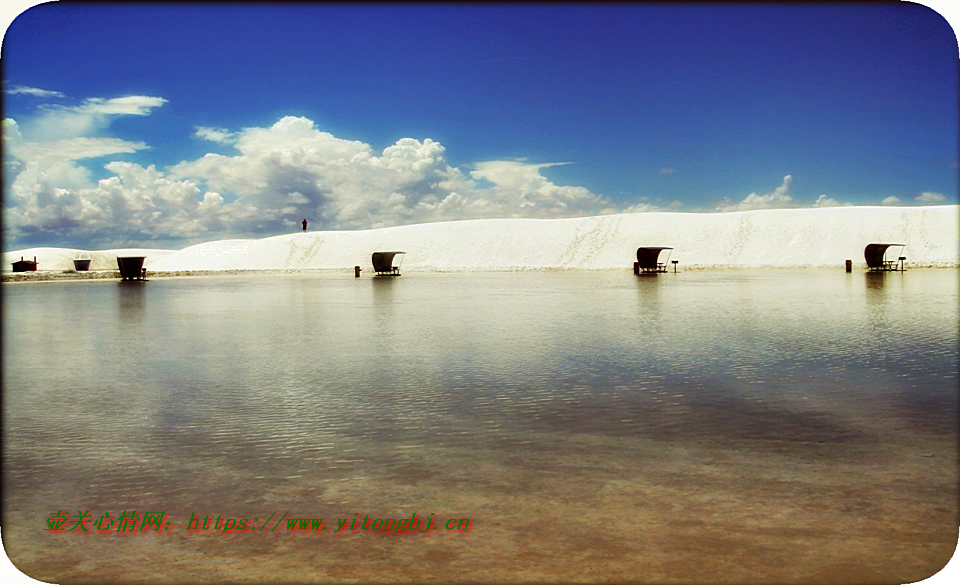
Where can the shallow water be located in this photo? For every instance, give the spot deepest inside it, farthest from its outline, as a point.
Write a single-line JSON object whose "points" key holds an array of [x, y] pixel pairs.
{"points": [[729, 426]]}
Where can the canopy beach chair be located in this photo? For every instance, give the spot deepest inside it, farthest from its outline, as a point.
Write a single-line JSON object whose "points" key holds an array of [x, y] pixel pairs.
{"points": [[875, 255], [383, 263], [131, 268], [647, 260]]}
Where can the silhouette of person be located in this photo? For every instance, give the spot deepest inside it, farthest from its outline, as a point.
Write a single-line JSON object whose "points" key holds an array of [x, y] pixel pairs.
{"points": [[304, 222]]}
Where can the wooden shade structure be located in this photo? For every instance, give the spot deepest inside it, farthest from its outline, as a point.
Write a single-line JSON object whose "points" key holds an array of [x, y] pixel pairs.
{"points": [[22, 265], [648, 259], [383, 263], [130, 267], [875, 255]]}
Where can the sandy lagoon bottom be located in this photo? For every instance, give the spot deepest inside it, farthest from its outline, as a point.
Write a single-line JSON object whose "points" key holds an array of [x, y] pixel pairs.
{"points": [[780, 426]]}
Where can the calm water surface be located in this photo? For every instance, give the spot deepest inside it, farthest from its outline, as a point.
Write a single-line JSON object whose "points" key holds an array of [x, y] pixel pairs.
{"points": [[730, 425]]}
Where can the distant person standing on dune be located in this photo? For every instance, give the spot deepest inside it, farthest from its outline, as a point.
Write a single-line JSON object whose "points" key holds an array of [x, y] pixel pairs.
{"points": [[304, 222]]}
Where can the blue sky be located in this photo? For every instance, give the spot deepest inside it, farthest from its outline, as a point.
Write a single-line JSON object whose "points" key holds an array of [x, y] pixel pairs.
{"points": [[161, 126]]}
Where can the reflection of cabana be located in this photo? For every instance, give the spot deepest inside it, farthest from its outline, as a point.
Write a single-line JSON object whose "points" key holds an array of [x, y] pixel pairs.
{"points": [[875, 255], [647, 260], [383, 263], [131, 268]]}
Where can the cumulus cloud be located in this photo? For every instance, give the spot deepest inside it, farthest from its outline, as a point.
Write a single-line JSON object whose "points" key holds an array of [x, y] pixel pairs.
{"points": [[274, 177], [778, 199], [646, 205], [135, 204], [521, 190], [642, 208], [41, 168], [34, 91], [46, 191], [266, 179], [824, 201], [293, 169], [930, 197]]}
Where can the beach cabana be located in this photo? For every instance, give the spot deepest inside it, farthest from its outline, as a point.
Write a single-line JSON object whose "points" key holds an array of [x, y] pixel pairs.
{"points": [[648, 260], [131, 267], [875, 255], [81, 265], [383, 263], [22, 265]]}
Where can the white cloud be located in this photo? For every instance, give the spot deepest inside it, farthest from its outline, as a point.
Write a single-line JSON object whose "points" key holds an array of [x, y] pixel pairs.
{"points": [[130, 105], [221, 135], [74, 148], [64, 149], [293, 169], [43, 190], [930, 197], [275, 177], [211, 199], [778, 199], [642, 208], [667, 171], [521, 190], [513, 174], [12, 138], [297, 141], [136, 200], [56, 121], [48, 192], [34, 91], [824, 201]]}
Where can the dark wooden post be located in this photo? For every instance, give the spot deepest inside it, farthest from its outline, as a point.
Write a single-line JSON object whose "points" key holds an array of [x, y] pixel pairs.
{"points": [[636, 268], [849, 266], [674, 262], [356, 272]]}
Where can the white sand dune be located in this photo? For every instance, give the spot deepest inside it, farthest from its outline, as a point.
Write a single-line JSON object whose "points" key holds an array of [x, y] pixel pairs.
{"points": [[778, 238]]}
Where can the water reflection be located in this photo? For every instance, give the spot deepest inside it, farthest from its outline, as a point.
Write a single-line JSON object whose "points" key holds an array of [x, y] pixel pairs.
{"points": [[310, 392], [384, 306], [881, 288], [131, 296], [649, 309], [875, 280], [383, 288]]}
